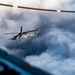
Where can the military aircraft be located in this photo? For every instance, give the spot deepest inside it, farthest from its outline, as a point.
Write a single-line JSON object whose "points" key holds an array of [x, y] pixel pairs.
{"points": [[23, 35]]}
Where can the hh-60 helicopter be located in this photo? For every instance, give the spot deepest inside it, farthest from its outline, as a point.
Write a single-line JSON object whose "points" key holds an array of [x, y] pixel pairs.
{"points": [[23, 35]]}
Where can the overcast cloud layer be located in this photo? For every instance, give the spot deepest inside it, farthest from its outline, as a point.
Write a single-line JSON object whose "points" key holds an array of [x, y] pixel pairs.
{"points": [[54, 48]]}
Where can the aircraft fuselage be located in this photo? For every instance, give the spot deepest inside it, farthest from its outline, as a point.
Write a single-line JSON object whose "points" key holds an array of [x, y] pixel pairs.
{"points": [[23, 36]]}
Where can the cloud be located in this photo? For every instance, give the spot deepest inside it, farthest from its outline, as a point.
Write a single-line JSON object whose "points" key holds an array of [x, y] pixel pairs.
{"points": [[54, 61], [53, 64], [59, 57], [54, 48]]}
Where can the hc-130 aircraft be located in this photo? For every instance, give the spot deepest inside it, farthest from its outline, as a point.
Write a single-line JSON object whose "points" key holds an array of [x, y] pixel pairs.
{"points": [[23, 35]]}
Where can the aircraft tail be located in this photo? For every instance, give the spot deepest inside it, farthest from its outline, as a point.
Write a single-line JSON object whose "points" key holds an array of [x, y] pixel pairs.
{"points": [[11, 39]]}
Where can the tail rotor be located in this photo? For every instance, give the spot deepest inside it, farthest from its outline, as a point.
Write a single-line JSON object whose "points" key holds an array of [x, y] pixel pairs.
{"points": [[37, 31]]}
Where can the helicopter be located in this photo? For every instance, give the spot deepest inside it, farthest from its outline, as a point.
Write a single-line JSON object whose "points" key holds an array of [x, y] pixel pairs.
{"points": [[21, 35]]}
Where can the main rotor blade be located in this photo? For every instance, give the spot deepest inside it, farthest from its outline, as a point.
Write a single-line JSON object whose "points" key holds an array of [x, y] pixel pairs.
{"points": [[21, 30], [11, 33], [30, 31]]}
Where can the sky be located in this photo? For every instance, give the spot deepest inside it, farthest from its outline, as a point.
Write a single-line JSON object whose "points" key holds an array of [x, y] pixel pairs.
{"points": [[54, 48]]}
